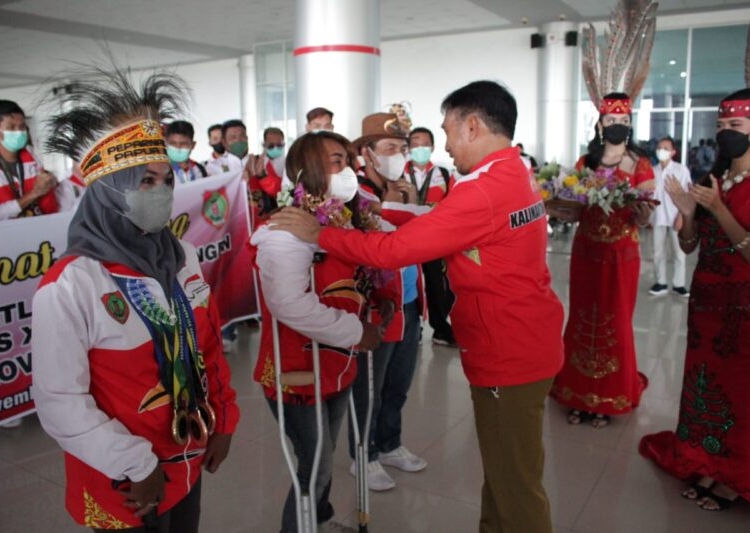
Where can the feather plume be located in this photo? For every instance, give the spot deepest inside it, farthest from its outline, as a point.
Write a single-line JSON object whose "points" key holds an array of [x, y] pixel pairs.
{"points": [[103, 100], [590, 62], [624, 64]]}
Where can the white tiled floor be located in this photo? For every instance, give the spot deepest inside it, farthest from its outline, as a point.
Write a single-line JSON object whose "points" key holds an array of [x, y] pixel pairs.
{"points": [[597, 482]]}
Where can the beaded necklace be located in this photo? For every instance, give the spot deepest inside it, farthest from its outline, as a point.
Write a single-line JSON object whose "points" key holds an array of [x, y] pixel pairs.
{"points": [[729, 183]]}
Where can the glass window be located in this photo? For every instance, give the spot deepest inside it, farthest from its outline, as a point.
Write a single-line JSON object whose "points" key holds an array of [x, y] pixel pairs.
{"points": [[665, 84], [701, 145], [716, 66], [274, 82]]}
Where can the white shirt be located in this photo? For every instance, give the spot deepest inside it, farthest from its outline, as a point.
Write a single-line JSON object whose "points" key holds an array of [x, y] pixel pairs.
{"points": [[666, 212], [226, 163]]}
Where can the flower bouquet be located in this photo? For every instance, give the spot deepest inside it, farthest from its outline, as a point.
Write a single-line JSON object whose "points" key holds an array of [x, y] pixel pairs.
{"points": [[578, 188]]}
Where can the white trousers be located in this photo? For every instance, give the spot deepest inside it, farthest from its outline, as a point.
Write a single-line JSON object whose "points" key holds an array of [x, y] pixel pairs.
{"points": [[661, 235]]}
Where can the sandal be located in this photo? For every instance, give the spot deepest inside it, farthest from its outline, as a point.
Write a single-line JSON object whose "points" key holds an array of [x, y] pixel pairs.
{"points": [[696, 491], [575, 417], [712, 502], [599, 420]]}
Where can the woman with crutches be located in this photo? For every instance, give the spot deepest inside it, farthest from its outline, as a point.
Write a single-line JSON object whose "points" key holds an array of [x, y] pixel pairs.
{"points": [[324, 313]]}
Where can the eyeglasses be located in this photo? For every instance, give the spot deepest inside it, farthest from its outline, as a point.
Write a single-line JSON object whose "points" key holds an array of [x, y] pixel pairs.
{"points": [[272, 146]]}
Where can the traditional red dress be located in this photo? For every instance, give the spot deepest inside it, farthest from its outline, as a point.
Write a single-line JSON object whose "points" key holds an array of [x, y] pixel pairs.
{"points": [[713, 432], [600, 373]]}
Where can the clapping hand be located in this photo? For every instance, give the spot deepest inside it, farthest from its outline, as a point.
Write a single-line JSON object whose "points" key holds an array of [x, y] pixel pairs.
{"points": [[708, 197], [683, 200]]}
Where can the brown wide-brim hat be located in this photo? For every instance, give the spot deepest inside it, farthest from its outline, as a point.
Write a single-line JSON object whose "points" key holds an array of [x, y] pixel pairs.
{"points": [[380, 126]]}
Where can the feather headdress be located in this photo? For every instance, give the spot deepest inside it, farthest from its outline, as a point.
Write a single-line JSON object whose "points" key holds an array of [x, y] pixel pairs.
{"points": [[622, 64], [111, 124]]}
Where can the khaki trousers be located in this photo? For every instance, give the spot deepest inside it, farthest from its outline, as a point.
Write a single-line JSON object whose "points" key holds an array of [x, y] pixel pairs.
{"points": [[509, 428]]}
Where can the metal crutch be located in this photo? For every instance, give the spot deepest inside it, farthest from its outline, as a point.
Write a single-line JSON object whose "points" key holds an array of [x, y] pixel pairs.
{"points": [[305, 500], [361, 450]]}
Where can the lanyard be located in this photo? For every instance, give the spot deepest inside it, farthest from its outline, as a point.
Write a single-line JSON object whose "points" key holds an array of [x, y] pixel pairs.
{"points": [[422, 193], [174, 339], [13, 176]]}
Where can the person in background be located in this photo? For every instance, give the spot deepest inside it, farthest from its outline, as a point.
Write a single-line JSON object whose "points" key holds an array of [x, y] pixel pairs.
{"points": [[600, 376], [235, 156], [214, 141], [129, 377], [710, 448], [26, 189], [179, 136], [432, 184], [667, 221], [319, 118], [266, 172], [395, 360], [492, 231], [530, 158]]}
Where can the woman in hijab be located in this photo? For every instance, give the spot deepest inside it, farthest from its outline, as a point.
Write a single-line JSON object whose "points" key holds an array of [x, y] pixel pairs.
{"points": [[129, 375]]}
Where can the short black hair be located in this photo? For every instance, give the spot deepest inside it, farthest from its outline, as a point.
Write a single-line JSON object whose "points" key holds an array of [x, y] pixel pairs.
{"points": [[233, 123], [316, 112], [9, 107], [180, 127], [671, 141], [422, 130], [212, 128], [491, 101], [272, 130]]}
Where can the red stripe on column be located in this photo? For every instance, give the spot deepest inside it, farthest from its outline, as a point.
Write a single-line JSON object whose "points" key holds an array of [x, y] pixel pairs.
{"points": [[357, 48]]}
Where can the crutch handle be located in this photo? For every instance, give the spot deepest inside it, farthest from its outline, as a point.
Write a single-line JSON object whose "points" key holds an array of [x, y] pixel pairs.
{"points": [[297, 378]]}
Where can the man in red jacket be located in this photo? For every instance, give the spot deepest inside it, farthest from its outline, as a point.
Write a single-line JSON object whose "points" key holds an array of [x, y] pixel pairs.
{"points": [[492, 231]]}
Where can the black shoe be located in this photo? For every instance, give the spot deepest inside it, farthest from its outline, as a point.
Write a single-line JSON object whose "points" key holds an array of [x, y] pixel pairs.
{"points": [[681, 291], [444, 340], [658, 289]]}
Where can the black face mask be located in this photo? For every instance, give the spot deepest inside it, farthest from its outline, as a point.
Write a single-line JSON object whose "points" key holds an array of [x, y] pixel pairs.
{"points": [[732, 143], [616, 133], [218, 148]]}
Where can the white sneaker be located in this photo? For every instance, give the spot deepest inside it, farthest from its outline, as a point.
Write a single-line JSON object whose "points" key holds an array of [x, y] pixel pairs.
{"points": [[331, 526], [228, 345], [403, 459], [378, 479], [12, 424]]}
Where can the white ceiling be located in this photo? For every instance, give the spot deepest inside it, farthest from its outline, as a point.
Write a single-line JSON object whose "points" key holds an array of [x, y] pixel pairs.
{"points": [[42, 38]]}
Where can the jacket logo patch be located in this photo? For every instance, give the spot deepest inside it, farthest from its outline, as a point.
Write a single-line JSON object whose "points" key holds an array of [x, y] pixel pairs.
{"points": [[115, 304], [473, 254], [215, 207], [527, 215]]}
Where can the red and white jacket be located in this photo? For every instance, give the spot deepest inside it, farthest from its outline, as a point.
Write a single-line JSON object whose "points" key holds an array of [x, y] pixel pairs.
{"points": [[97, 389], [437, 187], [330, 315], [492, 231], [9, 206]]}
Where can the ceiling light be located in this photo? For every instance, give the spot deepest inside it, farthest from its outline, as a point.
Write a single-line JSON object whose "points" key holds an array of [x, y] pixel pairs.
{"points": [[672, 62], [683, 74]]}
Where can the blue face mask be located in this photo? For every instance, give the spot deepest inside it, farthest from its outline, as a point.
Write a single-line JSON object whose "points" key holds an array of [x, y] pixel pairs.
{"points": [[14, 140], [177, 155], [276, 151], [421, 154]]}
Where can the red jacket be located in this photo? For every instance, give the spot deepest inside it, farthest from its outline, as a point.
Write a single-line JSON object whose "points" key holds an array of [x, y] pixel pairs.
{"points": [[43, 206], [492, 231], [438, 185]]}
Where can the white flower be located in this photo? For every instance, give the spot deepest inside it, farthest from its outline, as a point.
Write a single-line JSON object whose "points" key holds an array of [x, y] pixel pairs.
{"points": [[285, 197]]}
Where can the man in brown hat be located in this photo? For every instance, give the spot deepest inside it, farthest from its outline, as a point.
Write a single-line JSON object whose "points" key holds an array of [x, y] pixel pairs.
{"points": [[383, 145]]}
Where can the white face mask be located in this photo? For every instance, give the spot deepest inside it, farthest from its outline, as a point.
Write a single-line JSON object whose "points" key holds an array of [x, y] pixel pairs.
{"points": [[391, 167], [663, 155], [343, 185]]}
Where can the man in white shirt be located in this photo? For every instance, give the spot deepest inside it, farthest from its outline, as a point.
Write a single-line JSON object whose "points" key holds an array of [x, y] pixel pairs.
{"points": [[666, 221], [234, 159]]}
